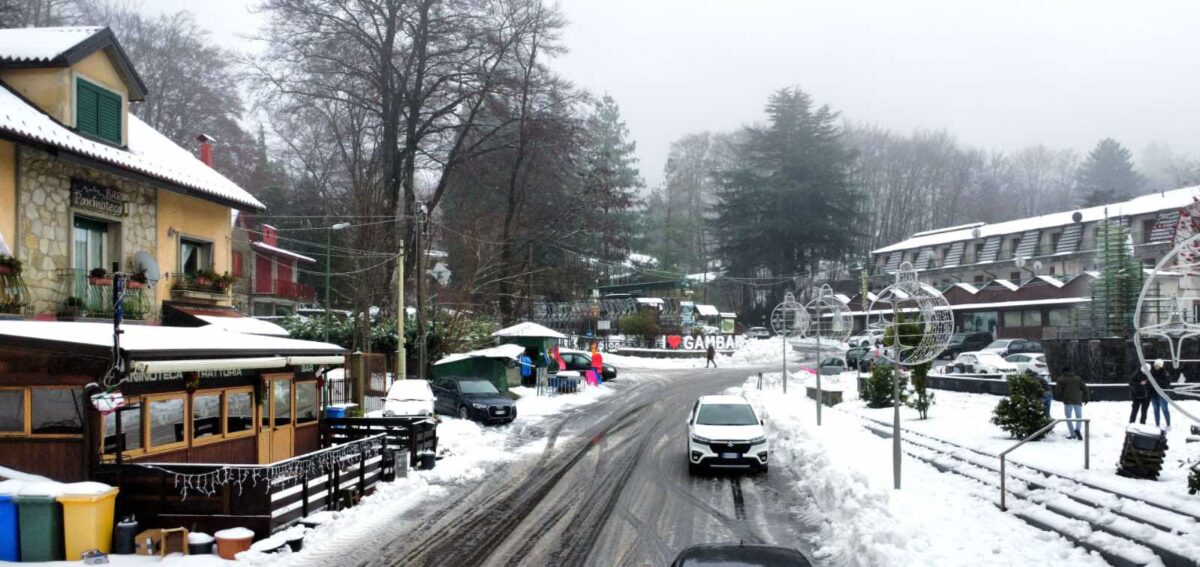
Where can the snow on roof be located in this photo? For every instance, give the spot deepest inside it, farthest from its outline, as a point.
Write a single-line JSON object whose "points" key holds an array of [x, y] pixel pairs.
{"points": [[843, 298], [1166, 200], [1006, 284], [728, 315], [636, 258], [996, 305], [281, 251], [148, 153], [529, 329], [41, 45], [1051, 280], [704, 276], [247, 325], [509, 352], [707, 310], [970, 288], [650, 300], [156, 340]]}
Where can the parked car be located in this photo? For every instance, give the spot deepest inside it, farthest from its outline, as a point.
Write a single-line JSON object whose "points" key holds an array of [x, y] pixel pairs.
{"points": [[740, 555], [581, 361], [407, 398], [854, 355], [836, 363], [725, 432], [1024, 346], [1005, 347], [1032, 363], [982, 362], [966, 342], [472, 398], [758, 333], [871, 358], [867, 338]]}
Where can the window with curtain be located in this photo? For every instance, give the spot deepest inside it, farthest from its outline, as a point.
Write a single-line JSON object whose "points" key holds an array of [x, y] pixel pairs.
{"points": [[91, 244], [194, 256]]}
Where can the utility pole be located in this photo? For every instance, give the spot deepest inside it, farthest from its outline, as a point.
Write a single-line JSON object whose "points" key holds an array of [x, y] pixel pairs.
{"points": [[421, 338], [328, 245], [529, 302], [401, 355]]}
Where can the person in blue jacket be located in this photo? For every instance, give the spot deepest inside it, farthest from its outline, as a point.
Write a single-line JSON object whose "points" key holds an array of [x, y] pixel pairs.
{"points": [[525, 361]]}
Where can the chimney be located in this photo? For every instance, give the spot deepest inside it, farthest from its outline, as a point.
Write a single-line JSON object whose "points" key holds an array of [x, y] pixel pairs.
{"points": [[269, 235], [206, 143]]}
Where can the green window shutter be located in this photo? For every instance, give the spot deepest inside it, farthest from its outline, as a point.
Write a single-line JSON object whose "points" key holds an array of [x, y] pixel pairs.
{"points": [[110, 116], [98, 111], [87, 108]]}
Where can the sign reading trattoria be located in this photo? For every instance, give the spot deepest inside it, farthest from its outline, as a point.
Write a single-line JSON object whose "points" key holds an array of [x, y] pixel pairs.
{"points": [[143, 377], [99, 198], [719, 342]]}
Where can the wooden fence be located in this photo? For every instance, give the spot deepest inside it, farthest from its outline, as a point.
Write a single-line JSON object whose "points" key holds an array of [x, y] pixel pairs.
{"points": [[263, 498], [413, 435]]}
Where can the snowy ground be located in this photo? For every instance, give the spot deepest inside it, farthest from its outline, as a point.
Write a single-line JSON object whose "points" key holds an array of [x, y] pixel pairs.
{"points": [[938, 519], [752, 352]]}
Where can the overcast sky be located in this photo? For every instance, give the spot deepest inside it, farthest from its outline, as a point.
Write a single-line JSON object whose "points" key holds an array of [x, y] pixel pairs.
{"points": [[999, 74]]}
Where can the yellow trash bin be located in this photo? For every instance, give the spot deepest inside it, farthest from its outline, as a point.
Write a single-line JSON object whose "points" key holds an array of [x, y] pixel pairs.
{"points": [[87, 517]]}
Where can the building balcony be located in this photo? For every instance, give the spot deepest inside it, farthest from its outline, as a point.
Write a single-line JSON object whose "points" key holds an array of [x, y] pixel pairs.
{"points": [[284, 289], [90, 297], [205, 288], [14, 295]]}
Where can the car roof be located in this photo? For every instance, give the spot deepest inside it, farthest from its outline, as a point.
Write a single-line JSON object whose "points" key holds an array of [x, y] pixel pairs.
{"points": [[741, 555], [723, 399]]}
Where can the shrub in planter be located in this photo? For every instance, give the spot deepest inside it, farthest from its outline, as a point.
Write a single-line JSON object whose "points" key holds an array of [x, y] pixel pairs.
{"points": [[923, 397], [99, 276], [1021, 414], [138, 280], [880, 386], [643, 323], [71, 308], [10, 265], [224, 281]]}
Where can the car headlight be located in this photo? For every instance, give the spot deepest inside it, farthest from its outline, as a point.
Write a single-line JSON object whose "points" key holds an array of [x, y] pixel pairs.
{"points": [[699, 439], [479, 406], [758, 440]]}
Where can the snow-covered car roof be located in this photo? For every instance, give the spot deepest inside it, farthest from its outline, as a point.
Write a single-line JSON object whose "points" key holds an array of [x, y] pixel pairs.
{"points": [[723, 399], [408, 389]]}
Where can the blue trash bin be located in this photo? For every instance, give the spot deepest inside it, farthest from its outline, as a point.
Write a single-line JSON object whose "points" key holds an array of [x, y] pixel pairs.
{"points": [[335, 411], [10, 536]]}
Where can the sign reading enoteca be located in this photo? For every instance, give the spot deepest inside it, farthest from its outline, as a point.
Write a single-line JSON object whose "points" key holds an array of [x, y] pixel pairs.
{"points": [[99, 198], [719, 342]]}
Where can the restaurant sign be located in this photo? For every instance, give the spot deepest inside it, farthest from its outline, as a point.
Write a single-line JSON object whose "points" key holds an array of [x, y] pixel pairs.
{"points": [[99, 198], [150, 377], [702, 342]]}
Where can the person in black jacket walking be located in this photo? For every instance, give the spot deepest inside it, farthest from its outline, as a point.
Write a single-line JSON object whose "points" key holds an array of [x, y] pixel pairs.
{"points": [[1073, 393], [1139, 392], [1162, 377]]}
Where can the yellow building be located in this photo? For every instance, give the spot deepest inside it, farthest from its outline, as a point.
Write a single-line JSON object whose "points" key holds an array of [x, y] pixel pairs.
{"points": [[85, 184]]}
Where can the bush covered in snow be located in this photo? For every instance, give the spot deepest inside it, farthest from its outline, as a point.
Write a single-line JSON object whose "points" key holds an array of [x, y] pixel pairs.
{"points": [[880, 386], [1021, 414]]}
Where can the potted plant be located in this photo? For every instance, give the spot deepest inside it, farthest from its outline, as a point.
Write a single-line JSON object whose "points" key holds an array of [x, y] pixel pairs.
{"points": [[223, 282], [204, 278], [99, 276], [70, 309], [138, 280], [10, 265]]}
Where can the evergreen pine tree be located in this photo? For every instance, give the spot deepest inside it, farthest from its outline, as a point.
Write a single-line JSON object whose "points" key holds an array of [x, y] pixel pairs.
{"points": [[1115, 292], [789, 202], [611, 179], [1021, 414], [1107, 175]]}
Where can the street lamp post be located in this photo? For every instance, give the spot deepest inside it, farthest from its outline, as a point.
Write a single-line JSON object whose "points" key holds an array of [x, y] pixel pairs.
{"points": [[328, 245]]}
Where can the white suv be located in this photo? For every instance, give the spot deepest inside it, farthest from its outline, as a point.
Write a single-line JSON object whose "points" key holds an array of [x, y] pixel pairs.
{"points": [[725, 432]]}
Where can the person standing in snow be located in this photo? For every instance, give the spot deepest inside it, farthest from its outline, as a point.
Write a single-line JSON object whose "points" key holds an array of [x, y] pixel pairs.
{"points": [[525, 361], [1162, 377], [1139, 392], [1072, 392], [597, 364], [711, 352], [1047, 393]]}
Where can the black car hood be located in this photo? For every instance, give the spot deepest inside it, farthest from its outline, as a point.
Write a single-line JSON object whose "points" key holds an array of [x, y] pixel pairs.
{"points": [[490, 399]]}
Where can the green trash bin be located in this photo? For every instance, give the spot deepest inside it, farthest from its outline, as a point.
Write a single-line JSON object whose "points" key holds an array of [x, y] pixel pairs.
{"points": [[41, 522]]}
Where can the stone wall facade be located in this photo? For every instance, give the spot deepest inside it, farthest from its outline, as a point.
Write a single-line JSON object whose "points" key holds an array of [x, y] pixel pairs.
{"points": [[45, 223]]}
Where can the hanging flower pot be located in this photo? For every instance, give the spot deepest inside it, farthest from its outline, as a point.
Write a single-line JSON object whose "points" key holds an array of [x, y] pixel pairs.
{"points": [[134, 285]]}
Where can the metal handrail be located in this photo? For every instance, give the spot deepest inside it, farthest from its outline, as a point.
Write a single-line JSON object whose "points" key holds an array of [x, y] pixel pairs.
{"points": [[1087, 461]]}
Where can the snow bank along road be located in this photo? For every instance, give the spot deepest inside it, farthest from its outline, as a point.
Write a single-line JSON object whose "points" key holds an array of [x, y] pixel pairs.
{"points": [[611, 488]]}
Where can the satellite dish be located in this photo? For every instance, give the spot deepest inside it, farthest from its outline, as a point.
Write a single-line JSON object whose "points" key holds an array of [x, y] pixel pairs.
{"points": [[144, 261], [976, 233], [1077, 216], [1037, 266], [1019, 261]]}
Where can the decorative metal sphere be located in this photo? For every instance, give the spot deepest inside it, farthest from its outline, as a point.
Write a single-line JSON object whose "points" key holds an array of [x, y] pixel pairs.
{"points": [[927, 321], [829, 318], [1162, 318], [789, 317]]}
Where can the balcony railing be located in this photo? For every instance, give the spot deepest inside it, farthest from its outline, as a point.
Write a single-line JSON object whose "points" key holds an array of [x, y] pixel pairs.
{"points": [[85, 296], [14, 296], [285, 289]]}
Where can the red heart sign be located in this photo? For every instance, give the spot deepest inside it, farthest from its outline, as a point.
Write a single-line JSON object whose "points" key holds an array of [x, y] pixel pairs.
{"points": [[674, 340]]}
